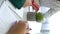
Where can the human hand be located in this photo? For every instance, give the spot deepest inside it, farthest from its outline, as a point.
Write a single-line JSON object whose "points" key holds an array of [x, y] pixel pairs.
{"points": [[19, 28]]}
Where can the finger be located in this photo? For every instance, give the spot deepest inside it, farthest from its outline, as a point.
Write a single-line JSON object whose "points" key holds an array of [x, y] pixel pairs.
{"points": [[22, 23]]}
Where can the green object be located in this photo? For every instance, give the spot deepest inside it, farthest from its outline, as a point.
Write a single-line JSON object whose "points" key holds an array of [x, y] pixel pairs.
{"points": [[17, 3], [39, 17]]}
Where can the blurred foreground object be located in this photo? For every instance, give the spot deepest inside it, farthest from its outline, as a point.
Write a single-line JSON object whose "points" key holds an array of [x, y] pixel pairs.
{"points": [[19, 28]]}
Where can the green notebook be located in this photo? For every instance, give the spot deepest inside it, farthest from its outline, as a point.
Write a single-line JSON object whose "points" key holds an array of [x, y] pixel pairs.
{"points": [[17, 3]]}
